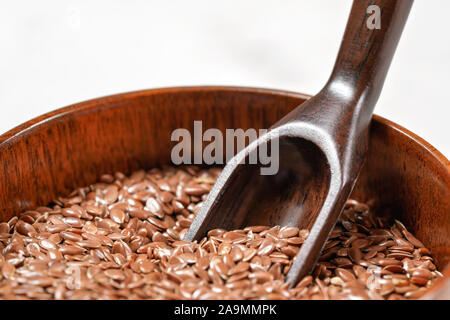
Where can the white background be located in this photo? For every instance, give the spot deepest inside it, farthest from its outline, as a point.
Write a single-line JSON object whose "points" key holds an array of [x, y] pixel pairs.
{"points": [[54, 53]]}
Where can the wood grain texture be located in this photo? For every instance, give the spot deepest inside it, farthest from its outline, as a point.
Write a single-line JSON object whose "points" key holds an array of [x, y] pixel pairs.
{"points": [[51, 155], [323, 145]]}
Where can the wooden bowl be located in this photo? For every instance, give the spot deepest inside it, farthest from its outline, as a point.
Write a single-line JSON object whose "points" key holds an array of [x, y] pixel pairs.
{"points": [[71, 147]]}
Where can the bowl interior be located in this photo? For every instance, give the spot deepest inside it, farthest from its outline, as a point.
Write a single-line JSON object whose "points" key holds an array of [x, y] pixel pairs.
{"points": [[51, 155]]}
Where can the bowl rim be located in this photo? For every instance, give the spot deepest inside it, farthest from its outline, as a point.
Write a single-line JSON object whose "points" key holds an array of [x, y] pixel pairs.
{"points": [[25, 128]]}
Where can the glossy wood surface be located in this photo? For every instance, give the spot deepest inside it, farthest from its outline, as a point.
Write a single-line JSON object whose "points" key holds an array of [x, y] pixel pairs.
{"points": [[51, 155], [322, 144]]}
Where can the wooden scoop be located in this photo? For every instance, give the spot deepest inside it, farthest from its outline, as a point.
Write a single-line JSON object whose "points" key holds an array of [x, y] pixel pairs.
{"points": [[322, 144]]}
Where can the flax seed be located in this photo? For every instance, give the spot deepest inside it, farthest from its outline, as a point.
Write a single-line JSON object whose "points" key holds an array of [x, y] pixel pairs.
{"points": [[122, 238], [47, 244], [288, 232], [115, 274]]}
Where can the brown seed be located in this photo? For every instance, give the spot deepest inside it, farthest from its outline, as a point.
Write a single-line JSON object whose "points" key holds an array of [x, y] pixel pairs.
{"points": [[8, 270], [158, 237], [370, 254], [90, 244], [73, 222], [343, 262], [13, 221], [111, 194], [400, 282], [182, 197], [4, 227], [399, 255], [413, 240], [23, 228], [222, 269], [216, 232], [195, 190], [349, 241], [71, 250], [393, 268], [56, 228], [94, 210], [157, 223], [47, 244], [115, 274], [361, 243], [287, 232], [355, 254], [239, 268], [138, 213], [249, 254], [330, 244], [165, 196], [306, 281], [174, 235], [147, 267], [345, 274], [71, 236], [261, 276], [415, 294], [224, 248], [54, 254], [419, 280], [236, 253], [386, 288], [119, 259], [107, 178], [154, 207], [295, 240], [122, 248], [234, 236], [291, 251], [266, 248], [256, 229], [202, 263], [188, 257], [74, 211], [422, 273], [425, 251], [55, 238], [117, 215], [402, 244], [387, 262], [337, 281]]}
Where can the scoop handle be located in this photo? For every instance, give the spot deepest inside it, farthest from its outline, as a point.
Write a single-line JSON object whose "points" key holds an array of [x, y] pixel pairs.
{"points": [[337, 119], [371, 36]]}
